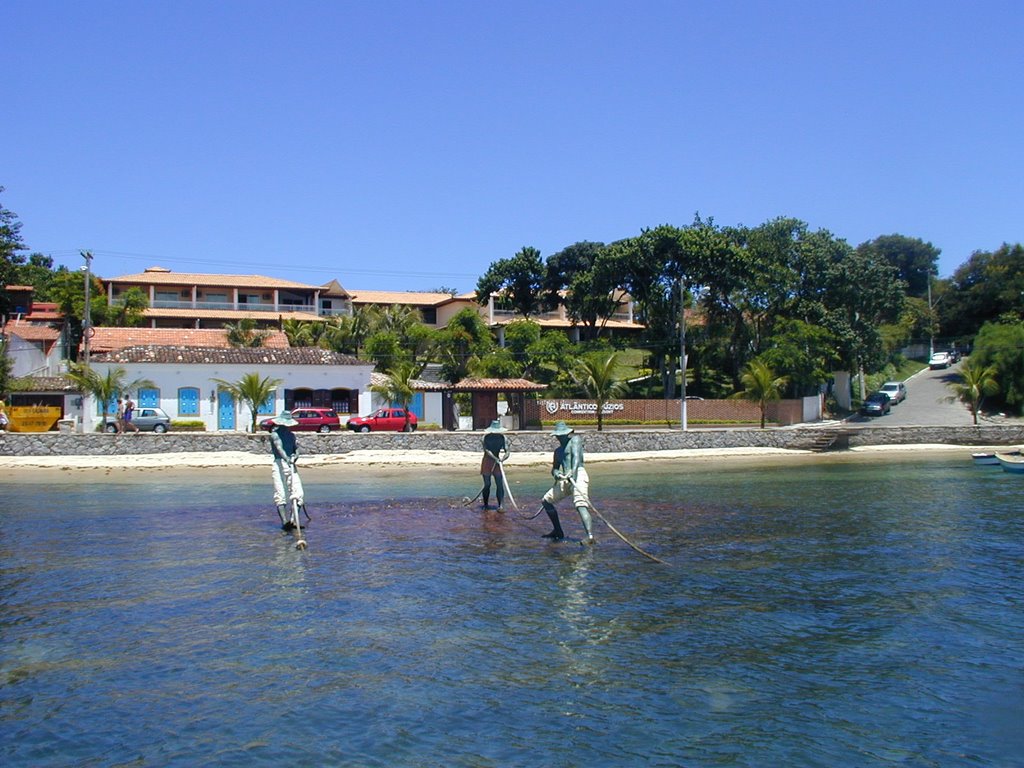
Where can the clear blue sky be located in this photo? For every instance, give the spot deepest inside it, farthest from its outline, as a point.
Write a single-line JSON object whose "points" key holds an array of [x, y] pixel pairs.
{"points": [[407, 145]]}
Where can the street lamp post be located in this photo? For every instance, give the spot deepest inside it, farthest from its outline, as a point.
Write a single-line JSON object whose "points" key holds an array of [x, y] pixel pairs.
{"points": [[86, 313]]}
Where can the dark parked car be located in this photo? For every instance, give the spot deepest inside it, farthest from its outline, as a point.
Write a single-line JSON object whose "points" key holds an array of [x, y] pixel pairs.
{"points": [[147, 420], [383, 420], [876, 404], [310, 420]]}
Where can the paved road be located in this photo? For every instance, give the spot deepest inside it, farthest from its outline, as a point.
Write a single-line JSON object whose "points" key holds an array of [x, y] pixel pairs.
{"points": [[927, 403]]}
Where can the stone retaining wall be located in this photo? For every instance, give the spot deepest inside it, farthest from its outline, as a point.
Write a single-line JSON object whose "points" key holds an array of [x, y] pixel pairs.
{"points": [[610, 441]]}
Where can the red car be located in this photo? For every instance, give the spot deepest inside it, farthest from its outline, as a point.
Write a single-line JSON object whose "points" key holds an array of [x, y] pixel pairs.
{"points": [[310, 420], [383, 420]]}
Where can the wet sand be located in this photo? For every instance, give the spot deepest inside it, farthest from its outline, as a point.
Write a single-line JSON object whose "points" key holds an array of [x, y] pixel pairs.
{"points": [[40, 468]]}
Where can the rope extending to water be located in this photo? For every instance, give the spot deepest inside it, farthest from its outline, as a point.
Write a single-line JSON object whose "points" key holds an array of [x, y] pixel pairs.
{"points": [[615, 530], [504, 479]]}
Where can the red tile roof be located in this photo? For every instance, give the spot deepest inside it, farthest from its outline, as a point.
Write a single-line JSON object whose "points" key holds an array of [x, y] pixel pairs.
{"points": [[161, 276], [498, 385], [239, 355], [108, 338], [32, 332], [409, 298]]}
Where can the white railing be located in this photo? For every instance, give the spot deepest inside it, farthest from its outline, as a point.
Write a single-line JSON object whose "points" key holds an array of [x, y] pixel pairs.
{"points": [[232, 306]]}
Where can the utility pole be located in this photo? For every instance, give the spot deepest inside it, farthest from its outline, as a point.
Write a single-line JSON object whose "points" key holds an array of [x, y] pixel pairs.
{"points": [[682, 356], [931, 319], [86, 313]]}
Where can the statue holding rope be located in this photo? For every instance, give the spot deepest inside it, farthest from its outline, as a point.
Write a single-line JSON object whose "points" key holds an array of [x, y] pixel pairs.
{"points": [[571, 479]]}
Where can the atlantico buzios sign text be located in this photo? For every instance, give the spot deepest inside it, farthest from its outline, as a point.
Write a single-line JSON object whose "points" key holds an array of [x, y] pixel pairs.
{"points": [[579, 407]]}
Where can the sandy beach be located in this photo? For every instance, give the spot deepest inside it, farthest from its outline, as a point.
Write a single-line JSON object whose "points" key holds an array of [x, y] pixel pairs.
{"points": [[390, 460]]}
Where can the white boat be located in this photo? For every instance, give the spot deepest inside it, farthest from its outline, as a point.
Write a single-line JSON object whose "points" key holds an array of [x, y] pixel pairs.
{"points": [[985, 458], [1011, 462]]}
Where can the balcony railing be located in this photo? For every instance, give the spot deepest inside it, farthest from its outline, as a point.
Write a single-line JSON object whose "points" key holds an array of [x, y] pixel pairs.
{"points": [[507, 314], [232, 306]]}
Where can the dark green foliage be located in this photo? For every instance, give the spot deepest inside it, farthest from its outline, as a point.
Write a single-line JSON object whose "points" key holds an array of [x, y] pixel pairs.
{"points": [[1001, 346]]}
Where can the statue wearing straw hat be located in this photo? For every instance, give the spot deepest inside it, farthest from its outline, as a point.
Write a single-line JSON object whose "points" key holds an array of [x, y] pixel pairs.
{"points": [[571, 479], [287, 483], [495, 452]]}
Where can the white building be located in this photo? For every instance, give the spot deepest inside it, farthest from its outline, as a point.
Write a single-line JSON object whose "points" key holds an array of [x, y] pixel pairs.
{"points": [[185, 382]]}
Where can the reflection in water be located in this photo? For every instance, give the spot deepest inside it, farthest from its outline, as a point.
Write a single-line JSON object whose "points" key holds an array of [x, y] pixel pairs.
{"points": [[859, 613]]}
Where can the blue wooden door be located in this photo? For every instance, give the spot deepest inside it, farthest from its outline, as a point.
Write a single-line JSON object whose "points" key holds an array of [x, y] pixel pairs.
{"points": [[225, 410]]}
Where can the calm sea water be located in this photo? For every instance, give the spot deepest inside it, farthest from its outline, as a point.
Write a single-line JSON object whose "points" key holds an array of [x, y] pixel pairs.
{"points": [[860, 613]]}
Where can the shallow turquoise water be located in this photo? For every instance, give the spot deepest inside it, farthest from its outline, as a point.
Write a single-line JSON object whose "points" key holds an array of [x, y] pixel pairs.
{"points": [[832, 613]]}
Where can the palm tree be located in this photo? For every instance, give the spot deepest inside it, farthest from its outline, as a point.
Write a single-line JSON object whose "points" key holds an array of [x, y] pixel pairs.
{"points": [[251, 390], [975, 382], [596, 375], [761, 385], [104, 388], [397, 387], [297, 332], [244, 333]]}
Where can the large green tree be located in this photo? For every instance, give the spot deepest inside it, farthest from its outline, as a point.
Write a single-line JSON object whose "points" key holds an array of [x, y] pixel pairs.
{"points": [[914, 260], [11, 257], [988, 287], [576, 278], [464, 340], [519, 282], [1001, 345]]}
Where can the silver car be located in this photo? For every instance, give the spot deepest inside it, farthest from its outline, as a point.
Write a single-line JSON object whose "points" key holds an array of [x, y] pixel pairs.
{"points": [[147, 420], [896, 390]]}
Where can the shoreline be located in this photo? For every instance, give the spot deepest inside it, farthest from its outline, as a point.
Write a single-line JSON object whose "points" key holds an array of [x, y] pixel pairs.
{"points": [[191, 462]]}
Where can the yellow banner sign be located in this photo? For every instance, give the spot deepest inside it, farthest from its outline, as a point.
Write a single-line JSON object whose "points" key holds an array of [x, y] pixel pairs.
{"points": [[33, 418]]}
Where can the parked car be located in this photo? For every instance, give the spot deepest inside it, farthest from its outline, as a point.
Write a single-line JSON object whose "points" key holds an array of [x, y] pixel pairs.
{"points": [[310, 420], [147, 420], [383, 420], [940, 360], [896, 390], [876, 404]]}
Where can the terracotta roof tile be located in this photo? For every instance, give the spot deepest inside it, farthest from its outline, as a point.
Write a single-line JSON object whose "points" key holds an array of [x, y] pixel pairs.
{"points": [[32, 332], [159, 276], [498, 385], [240, 355], [108, 338], [45, 384], [410, 298]]}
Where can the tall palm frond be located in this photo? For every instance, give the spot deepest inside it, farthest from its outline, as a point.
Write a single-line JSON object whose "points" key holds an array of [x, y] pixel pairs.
{"points": [[761, 386], [106, 387], [251, 390], [245, 333], [975, 382], [597, 375], [397, 387]]}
